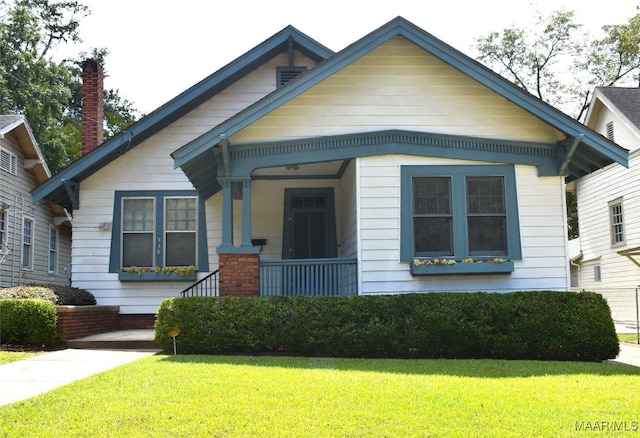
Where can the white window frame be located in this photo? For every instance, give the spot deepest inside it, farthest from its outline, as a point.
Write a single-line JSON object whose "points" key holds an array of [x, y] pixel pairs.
{"points": [[616, 222], [597, 274], [3, 231], [8, 161], [27, 244], [54, 241], [153, 231], [166, 231]]}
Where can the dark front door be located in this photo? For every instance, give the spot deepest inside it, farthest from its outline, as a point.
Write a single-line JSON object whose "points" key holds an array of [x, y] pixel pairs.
{"points": [[309, 224]]}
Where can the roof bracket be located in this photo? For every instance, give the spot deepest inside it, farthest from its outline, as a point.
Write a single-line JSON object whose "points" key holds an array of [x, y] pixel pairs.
{"points": [[73, 191], [571, 146], [224, 145]]}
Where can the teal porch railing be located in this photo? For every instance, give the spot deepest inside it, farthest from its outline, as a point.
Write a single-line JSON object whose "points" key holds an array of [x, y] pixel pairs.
{"points": [[309, 277]]}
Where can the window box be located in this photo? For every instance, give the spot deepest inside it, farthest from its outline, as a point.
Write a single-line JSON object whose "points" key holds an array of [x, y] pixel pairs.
{"points": [[156, 276], [460, 268]]}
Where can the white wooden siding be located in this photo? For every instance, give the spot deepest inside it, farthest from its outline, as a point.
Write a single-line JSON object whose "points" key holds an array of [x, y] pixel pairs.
{"points": [[398, 86], [542, 232], [149, 166]]}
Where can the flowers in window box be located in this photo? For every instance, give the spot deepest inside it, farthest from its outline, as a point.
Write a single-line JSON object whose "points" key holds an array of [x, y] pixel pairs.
{"points": [[180, 270], [426, 262]]}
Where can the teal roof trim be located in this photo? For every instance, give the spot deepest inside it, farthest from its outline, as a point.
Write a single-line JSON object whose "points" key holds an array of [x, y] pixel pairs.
{"points": [[605, 151], [53, 189]]}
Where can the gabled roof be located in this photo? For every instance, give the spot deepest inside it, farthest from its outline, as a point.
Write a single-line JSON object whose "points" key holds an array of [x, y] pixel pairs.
{"points": [[583, 151], [19, 126], [625, 100], [62, 187]]}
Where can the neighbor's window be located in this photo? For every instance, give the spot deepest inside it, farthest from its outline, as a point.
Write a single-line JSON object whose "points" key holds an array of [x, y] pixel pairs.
{"points": [[459, 212], [597, 274], [616, 222], [3, 231], [27, 243], [53, 250], [157, 230]]}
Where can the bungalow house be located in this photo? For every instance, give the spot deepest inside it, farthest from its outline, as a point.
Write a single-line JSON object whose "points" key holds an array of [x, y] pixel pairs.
{"points": [[395, 165], [607, 259], [35, 237]]}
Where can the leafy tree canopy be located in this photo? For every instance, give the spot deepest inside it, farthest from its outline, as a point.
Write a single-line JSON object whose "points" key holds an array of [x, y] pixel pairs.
{"points": [[556, 61], [48, 93]]}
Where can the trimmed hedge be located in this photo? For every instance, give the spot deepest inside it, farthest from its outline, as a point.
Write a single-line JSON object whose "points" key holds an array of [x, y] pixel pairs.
{"points": [[28, 322], [57, 294], [540, 325]]}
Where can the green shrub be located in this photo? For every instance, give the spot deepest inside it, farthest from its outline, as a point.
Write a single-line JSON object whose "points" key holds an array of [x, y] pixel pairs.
{"points": [[72, 296], [539, 325], [29, 292], [28, 322]]}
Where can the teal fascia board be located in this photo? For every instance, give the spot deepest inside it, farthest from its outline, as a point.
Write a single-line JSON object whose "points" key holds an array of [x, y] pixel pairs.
{"points": [[53, 189]]}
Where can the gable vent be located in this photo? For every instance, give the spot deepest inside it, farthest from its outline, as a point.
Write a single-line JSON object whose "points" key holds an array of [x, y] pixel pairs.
{"points": [[285, 74], [8, 162], [610, 135]]}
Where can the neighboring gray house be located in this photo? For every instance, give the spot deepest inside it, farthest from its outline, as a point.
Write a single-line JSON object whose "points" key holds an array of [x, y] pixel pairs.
{"points": [[397, 165], [607, 255], [35, 238]]}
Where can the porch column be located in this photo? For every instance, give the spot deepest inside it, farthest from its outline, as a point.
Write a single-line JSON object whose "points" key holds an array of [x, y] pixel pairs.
{"points": [[246, 214], [227, 215]]}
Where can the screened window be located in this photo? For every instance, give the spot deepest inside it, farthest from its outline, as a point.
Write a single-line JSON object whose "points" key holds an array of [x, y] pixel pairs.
{"points": [[138, 229], [180, 231], [616, 222], [27, 243], [53, 250], [459, 212], [158, 230]]}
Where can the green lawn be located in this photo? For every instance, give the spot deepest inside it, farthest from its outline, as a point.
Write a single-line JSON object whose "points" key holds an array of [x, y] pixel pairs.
{"points": [[628, 337], [205, 396], [11, 356]]}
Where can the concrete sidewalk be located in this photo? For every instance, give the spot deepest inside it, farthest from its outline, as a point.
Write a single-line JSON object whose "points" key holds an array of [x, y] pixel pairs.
{"points": [[27, 378]]}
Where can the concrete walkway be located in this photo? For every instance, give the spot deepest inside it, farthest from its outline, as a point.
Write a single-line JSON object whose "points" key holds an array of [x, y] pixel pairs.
{"points": [[27, 378]]}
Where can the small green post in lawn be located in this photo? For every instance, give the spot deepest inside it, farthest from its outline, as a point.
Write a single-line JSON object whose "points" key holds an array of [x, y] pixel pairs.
{"points": [[173, 332]]}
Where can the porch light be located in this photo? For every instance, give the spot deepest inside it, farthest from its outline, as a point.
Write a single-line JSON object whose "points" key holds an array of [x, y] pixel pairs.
{"points": [[292, 167]]}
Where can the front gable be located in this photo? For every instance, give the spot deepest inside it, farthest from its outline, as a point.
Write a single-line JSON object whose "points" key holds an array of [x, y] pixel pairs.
{"points": [[397, 77]]}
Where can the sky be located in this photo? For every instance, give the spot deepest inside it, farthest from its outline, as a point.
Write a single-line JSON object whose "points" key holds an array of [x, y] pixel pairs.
{"points": [[159, 48]]}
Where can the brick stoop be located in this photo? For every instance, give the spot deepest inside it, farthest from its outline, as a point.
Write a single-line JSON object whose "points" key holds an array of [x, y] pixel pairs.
{"points": [[117, 340]]}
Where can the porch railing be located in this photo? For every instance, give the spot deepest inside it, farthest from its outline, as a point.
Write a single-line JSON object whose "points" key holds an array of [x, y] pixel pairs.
{"points": [[308, 277], [206, 287]]}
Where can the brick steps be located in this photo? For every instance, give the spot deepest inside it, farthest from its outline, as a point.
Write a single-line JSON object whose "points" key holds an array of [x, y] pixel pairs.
{"points": [[117, 340]]}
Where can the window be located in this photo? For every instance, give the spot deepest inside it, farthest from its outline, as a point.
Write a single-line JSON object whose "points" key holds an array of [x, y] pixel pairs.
{"points": [[158, 230], [27, 243], [8, 162], [3, 231], [53, 250], [616, 222], [459, 213], [597, 274]]}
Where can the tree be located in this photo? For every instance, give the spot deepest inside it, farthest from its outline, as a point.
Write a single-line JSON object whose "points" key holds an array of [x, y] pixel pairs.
{"points": [[47, 92], [559, 63]]}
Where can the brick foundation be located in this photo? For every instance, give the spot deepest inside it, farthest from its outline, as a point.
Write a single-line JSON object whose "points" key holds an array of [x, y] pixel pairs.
{"points": [[239, 274], [78, 321]]}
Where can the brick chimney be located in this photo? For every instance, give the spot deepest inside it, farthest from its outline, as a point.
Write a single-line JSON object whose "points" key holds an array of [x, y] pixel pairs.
{"points": [[92, 105]]}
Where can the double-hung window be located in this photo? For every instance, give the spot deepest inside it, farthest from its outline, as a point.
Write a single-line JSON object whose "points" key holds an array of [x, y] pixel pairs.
{"points": [[3, 231], [460, 215], [53, 250], [158, 232], [616, 221], [27, 243]]}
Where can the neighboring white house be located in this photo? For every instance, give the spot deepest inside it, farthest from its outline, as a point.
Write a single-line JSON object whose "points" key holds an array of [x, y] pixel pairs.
{"points": [[396, 165], [35, 237], [608, 258]]}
